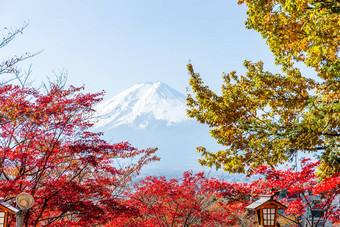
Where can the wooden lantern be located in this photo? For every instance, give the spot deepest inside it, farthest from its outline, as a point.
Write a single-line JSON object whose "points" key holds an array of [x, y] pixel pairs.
{"points": [[266, 210]]}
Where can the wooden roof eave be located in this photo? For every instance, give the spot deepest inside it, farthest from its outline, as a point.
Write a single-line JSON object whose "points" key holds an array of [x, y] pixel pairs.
{"points": [[265, 202], [279, 205], [8, 208]]}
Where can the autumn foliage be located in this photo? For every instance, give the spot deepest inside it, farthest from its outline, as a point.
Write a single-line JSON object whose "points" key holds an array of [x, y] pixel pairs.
{"points": [[262, 119], [266, 118]]}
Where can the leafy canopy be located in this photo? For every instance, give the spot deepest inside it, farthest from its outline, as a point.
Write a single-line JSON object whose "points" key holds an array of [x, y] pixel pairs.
{"points": [[262, 117]]}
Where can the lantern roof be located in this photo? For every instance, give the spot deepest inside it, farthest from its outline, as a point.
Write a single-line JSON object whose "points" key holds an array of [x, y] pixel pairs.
{"points": [[265, 200], [5, 206]]}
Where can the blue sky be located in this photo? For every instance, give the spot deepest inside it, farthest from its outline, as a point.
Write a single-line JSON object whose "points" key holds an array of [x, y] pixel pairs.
{"points": [[113, 44]]}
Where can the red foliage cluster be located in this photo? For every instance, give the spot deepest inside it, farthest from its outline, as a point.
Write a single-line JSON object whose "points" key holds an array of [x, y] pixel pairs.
{"points": [[196, 200], [191, 201]]}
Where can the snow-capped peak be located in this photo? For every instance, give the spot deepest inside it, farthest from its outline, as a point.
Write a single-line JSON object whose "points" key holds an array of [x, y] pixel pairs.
{"points": [[141, 104]]}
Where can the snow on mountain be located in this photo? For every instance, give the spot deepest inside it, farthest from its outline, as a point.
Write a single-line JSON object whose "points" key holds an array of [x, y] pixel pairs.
{"points": [[141, 105]]}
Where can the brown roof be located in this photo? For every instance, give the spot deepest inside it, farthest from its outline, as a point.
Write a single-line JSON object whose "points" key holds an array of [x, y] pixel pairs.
{"points": [[263, 200]]}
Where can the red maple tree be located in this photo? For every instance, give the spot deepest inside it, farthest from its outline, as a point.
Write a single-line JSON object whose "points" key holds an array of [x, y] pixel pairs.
{"points": [[47, 151]]}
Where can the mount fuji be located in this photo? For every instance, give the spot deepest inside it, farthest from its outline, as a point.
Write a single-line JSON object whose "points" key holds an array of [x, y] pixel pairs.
{"points": [[152, 115], [143, 105]]}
